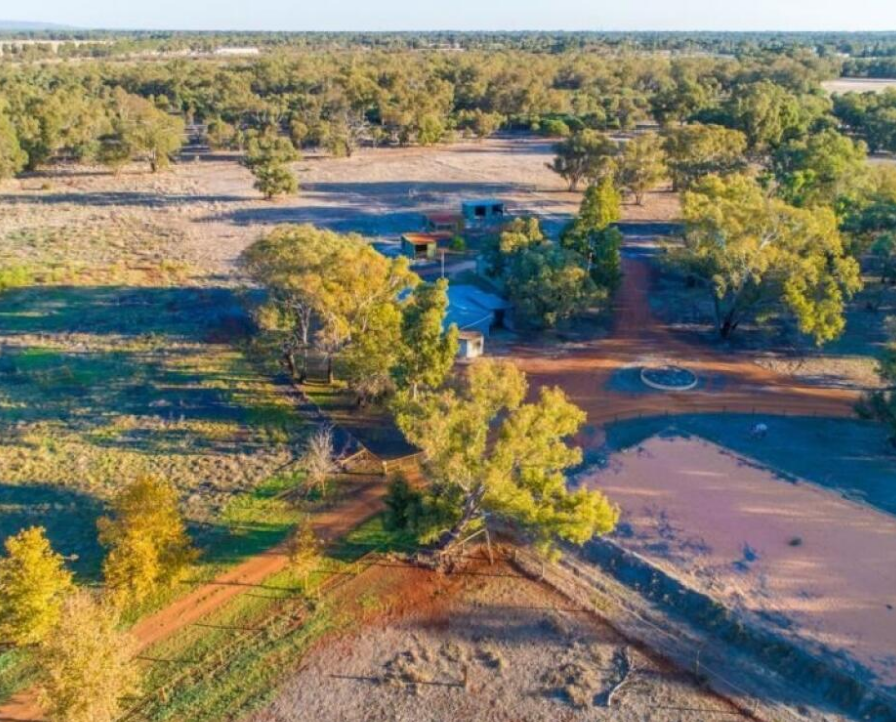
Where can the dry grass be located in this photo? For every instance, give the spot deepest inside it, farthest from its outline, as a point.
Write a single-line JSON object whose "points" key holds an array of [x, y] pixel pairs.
{"points": [[487, 647]]}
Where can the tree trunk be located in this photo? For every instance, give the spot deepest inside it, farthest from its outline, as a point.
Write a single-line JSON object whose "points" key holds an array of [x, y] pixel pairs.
{"points": [[471, 510], [331, 375], [303, 373], [290, 364], [728, 327]]}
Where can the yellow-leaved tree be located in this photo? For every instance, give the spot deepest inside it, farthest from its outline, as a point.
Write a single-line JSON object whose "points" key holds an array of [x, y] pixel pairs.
{"points": [[87, 665], [305, 550], [148, 543], [759, 257], [33, 585], [488, 454]]}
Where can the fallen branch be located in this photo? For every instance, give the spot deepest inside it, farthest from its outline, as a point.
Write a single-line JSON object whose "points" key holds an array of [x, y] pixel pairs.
{"points": [[624, 671]]}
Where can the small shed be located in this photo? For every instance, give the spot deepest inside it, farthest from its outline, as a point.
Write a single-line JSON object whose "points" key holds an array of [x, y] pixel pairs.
{"points": [[444, 222], [418, 246], [483, 211], [471, 344]]}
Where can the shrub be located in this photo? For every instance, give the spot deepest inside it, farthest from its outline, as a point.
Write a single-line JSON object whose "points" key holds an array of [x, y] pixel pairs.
{"points": [[404, 505]]}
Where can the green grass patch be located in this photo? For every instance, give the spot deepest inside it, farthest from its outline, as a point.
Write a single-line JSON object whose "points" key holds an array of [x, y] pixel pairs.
{"points": [[254, 522], [373, 536], [16, 671], [257, 663], [251, 675]]}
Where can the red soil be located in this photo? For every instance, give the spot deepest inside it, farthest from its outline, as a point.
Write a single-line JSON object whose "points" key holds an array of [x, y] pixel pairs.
{"points": [[734, 384], [583, 374]]}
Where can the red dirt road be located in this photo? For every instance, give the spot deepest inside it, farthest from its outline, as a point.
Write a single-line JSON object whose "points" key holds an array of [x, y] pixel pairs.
{"points": [[733, 384], [360, 504], [729, 383]]}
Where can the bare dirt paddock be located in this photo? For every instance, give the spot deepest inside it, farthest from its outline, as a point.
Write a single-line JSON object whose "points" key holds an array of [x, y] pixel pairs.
{"points": [[859, 85], [495, 647], [796, 558], [203, 211]]}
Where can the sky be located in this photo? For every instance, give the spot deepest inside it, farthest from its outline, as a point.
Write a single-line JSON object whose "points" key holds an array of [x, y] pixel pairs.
{"points": [[461, 14]]}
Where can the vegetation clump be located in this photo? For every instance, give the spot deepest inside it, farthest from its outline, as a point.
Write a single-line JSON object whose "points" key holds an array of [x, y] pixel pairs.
{"points": [[760, 255], [490, 455], [34, 584], [87, 665], [149, 549]]}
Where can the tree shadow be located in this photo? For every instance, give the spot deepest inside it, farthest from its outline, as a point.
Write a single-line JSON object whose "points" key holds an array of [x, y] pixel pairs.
{"points": [[197, 313], [103, 199], [69, 516], [175, 366]]}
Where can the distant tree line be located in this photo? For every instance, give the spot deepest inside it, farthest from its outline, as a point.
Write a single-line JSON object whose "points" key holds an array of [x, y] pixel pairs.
{"points": [[338, 99], [124, 43]]}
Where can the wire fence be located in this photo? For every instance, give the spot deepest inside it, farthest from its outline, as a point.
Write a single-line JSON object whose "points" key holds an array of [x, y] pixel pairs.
{"points": [[705, 655], [292, 610], [688, 653]]}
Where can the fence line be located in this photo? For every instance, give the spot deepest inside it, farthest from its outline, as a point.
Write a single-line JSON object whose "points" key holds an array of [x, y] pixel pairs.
{"points": [[725, 687], [572, 571], [219, 660]]}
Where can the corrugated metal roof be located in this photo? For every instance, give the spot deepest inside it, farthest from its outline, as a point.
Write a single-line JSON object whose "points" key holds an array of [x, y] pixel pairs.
{"points": [[470, 307], [483, 202]]}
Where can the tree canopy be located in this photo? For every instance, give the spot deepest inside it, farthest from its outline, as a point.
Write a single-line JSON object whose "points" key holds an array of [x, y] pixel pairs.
{"points": [[758, 255], [147, 540], [489, 454], [332, 291], [695, 151], [642, 166], [592, 236], [86, 665], [585, 156], [12, 157], [547, 282], [140, 130], [33, 586], [267, 157], [427, 350], [825, 168]]}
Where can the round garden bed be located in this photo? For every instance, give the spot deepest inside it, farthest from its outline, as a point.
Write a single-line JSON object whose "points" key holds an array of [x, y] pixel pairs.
{"points": [[668, 378]]}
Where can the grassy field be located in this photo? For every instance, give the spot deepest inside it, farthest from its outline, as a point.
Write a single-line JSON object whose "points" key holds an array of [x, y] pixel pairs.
{"points": [[99, 385], [235, 660], [852, 457]]}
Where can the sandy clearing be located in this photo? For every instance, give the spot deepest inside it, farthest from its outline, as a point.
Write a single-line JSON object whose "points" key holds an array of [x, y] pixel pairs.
{"points": [[208, 211], [729, 528], [482, 647], [859, 85]]}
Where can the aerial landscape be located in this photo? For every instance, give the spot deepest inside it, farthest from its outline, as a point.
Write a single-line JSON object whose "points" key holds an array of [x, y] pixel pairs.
{"points": [[437, 364]]}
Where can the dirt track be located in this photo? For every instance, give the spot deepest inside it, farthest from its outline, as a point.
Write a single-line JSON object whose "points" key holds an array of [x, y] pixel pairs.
{"points": [[733, 384], [360, 504], [730, 383]]}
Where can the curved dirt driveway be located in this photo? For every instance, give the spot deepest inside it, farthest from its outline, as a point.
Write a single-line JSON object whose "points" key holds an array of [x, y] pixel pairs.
{"points": [[730, 383], [583, 374]]}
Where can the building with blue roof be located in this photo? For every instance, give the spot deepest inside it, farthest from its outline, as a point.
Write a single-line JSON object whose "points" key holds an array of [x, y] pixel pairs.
{"points": [[475, 313], [483, 212]]}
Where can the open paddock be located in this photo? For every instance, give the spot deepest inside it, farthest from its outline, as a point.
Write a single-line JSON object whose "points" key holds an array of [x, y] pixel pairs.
{"points": [[792, 556], [859, 85]]}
